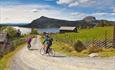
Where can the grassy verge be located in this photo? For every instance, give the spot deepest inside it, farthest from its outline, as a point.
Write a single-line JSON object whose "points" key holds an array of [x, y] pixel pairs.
{"points": [[68, 50], [5, 61]]}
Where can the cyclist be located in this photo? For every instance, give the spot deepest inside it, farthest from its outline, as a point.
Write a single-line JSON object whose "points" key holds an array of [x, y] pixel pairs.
{"points": [[29, 42], [48, 42]]}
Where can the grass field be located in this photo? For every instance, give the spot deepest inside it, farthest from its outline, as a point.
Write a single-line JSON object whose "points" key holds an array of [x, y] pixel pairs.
{"points": [[85, 35]]}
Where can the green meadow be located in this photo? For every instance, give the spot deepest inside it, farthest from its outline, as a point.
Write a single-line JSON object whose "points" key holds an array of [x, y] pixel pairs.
{"points": [[85, 35]]}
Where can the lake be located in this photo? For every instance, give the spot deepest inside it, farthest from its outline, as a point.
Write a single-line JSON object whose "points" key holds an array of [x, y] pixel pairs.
{"points": [[40, 30]]}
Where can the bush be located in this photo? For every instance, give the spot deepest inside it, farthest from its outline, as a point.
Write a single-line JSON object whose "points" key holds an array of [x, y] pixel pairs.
{"points": [[34, 31], [11, 32], [79, 46], [94, 49]]}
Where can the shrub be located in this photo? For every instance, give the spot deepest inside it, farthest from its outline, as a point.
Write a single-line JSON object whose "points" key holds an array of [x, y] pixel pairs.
{"points": [[11, 31], [79, 46], [34, 31]]}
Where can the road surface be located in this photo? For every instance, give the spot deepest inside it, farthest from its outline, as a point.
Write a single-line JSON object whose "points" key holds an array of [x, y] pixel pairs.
{"points": [[32, 60]]}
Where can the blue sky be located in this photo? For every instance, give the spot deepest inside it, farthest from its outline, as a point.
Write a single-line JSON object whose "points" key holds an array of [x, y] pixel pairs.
{"points": [[27, 10]]}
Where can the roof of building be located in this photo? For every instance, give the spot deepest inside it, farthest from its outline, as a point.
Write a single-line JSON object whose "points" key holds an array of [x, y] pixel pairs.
{"points": [[66, 28]]}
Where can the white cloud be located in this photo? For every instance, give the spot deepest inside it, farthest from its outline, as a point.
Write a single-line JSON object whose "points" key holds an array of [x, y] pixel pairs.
{"points": [[97, 4], [79, 16], [65, 1], [72, 3], [113, 9], [22, 13], [35, 10], [28, 13], [83, 1]]}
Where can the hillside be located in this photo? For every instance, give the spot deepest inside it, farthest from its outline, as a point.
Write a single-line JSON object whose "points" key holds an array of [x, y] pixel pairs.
{"points": [[45, 22]]}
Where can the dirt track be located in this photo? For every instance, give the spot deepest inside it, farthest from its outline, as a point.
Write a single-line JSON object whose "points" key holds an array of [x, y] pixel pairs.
{"points": [[32, 60]]}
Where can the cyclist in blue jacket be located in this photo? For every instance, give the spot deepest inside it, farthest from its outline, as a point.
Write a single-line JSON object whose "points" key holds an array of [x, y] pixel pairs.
{"points": [[47, 42]]}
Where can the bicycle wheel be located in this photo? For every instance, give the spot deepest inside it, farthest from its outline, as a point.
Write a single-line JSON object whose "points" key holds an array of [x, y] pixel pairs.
{"points": [[28, 47], [42, 51], [51, 52]]}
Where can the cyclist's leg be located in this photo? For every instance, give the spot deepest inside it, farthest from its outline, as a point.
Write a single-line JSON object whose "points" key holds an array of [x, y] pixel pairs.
{"points": [[29, 45], [47, 49]]}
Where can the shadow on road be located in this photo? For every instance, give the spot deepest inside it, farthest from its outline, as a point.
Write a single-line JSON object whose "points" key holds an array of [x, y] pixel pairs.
{"points": [[33, 49], [59, 56]]}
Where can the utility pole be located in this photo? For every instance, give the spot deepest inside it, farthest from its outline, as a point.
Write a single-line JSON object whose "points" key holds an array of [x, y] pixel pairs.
{"points": [[114, 36]]}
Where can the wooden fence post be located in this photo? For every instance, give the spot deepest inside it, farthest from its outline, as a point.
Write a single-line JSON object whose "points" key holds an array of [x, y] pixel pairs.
{"points": [[114, 36], [105, 42]]}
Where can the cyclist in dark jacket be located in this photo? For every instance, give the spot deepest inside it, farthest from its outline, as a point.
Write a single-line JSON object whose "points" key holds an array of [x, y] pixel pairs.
{"points": [[48, 43]]}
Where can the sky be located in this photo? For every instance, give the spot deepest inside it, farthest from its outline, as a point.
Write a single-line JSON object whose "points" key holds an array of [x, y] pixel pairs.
{"points": [[25, 11]]}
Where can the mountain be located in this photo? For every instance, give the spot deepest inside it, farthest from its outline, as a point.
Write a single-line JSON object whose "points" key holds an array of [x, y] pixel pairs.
{"points": [[89, 19], [45, 22]]}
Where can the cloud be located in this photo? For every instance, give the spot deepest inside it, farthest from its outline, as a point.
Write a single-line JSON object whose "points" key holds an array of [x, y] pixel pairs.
{"points": [[35, 10], [96, 4], [22, 13], [113, 9], [16, 12], [28, 13], [78, 15], [101, 15], [65, 1], [83, 1], [72, 3]]}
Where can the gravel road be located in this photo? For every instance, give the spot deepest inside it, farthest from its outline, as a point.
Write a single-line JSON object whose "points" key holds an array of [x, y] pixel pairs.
{"points": [[32, 60]]}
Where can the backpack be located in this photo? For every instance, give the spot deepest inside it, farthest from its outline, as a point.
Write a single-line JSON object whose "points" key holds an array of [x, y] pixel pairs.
{"points": [[50, 40]]}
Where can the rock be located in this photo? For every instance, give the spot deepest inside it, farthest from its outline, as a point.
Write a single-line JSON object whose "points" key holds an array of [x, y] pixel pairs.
{"points": [[93, 55], [89, 19]]}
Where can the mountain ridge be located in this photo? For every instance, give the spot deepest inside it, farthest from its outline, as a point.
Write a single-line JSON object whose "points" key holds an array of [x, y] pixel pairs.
{"points": [[46, 22]]}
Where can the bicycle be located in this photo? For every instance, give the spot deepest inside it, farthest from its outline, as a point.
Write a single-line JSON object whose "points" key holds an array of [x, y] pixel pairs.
{"points": [[51, 52]]}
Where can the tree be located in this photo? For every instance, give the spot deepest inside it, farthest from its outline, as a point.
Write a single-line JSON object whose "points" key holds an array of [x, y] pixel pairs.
{"points": [[103, 23], [34, 31]]}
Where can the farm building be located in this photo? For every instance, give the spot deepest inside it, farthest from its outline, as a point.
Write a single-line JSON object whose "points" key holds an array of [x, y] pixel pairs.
{"points": [[64, 29]]}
